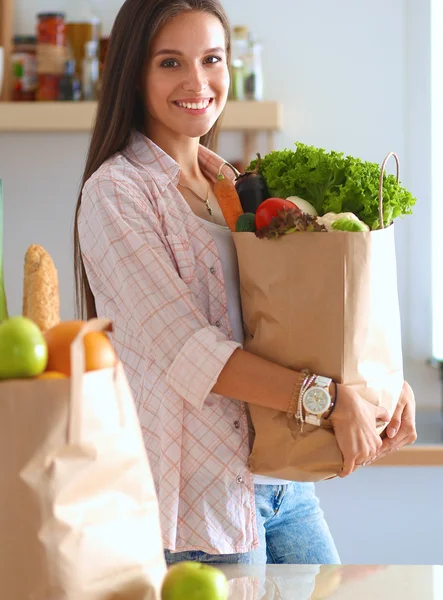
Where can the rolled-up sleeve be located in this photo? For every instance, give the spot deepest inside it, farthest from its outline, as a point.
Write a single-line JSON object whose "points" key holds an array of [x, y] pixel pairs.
{"points": [[125, 255]]}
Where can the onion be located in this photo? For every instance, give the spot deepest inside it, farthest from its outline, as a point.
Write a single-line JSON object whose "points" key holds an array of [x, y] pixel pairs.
{"points": [[303, 205]]}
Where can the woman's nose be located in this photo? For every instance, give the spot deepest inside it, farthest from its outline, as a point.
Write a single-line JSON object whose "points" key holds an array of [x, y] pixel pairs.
{"points": [[196, 80]]}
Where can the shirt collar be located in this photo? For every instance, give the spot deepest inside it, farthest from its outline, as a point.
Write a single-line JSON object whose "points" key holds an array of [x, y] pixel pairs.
{"points": [[152, 158]]}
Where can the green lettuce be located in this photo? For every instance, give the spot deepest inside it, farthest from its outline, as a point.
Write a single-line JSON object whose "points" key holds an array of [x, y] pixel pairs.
{"points": [[333, 182]]}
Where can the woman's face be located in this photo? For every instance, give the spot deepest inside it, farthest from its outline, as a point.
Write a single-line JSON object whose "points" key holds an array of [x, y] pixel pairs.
{"points": [[187, 77]]}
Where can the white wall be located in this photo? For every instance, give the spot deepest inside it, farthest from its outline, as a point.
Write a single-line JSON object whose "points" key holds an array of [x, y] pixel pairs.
{"points": [[386, 515], [353, 76], [26, 11]]}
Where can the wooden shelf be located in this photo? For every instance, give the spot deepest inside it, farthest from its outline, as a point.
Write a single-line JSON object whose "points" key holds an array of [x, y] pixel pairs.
{"points": [[79, 116], [247, 118], [417, 455]]}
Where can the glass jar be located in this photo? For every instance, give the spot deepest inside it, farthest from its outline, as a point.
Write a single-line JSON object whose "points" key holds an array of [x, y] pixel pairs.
{"points": [[51, 29], [48, 88], [82, 26], [51, 54], [239, 52], [24, 68], [254, 72], [91, 72]]}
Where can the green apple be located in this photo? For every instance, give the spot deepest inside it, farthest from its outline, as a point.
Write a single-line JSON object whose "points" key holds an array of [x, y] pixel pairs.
{"points": [[23, 349], [194, 581]]}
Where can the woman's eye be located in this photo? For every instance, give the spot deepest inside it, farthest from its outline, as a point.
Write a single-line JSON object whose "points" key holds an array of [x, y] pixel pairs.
{"points": [[170, 62], [213, 59]]}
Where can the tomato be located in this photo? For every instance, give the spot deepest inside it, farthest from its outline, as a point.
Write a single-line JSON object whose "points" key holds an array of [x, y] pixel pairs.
{"points": [[269, 209]]}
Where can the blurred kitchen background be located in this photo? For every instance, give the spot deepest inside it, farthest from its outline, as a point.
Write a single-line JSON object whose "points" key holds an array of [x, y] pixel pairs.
{"points": [[361, 77]]}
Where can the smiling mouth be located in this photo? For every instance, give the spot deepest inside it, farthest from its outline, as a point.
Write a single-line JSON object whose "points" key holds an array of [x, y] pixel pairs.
{"points": [[196, 106]]}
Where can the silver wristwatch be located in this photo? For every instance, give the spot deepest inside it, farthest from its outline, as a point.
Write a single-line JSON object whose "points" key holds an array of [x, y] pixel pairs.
{"points": [[317, 400]]}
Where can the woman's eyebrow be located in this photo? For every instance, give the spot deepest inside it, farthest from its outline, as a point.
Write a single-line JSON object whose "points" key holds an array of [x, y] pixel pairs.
{"points": [[178, 53]]}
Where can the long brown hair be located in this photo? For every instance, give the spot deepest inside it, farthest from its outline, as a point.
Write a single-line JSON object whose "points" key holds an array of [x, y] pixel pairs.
{"points": [[121, 106]]}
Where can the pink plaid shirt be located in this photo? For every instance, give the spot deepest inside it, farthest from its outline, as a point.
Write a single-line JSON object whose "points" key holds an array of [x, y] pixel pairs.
{"points": [[156, 273]]}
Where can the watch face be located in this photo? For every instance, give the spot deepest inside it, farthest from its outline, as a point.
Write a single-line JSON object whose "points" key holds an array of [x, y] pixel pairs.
{"points": [[316, 400]]}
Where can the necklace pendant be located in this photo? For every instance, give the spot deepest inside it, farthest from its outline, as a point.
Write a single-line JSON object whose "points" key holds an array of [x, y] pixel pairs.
{"points": [[209, 208]]}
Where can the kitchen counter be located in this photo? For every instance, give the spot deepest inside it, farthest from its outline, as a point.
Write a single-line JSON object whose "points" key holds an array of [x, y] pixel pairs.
{"points": [[348, 582]]}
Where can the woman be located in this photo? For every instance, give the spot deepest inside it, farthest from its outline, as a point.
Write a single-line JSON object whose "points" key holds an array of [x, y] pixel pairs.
{"points": [[154, 255]]}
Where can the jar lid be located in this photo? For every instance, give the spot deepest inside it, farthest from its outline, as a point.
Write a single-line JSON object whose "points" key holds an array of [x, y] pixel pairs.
{"points": [[51, 15], [25, 40]]}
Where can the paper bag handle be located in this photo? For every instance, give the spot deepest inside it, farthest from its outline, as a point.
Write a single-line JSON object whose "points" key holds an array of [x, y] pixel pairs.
{"points": [[77, 372], [380, 194]]}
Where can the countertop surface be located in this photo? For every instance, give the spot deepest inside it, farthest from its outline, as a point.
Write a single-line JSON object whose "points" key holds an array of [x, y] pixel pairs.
{"points": [[347, 582]]}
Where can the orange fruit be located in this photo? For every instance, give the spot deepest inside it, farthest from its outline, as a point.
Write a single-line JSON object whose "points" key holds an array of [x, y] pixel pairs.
{"points": [[51, 375], [99, 353]]}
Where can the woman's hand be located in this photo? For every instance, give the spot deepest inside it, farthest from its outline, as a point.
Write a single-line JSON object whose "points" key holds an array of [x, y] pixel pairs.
{"points": [[401, 429], [354, 422]]}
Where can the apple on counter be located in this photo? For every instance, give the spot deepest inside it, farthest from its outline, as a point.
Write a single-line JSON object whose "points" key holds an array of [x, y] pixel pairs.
{"points": [[23, 349], [194, 581]]}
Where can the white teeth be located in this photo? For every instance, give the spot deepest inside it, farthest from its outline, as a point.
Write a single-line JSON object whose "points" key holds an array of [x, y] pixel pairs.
{"points": [[193, 105]]}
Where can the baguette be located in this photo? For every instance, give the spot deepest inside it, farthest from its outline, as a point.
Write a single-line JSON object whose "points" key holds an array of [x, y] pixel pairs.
{"points": [[41, 299]]}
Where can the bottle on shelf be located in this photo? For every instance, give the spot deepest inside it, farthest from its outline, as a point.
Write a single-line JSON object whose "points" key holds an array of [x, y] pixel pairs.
{"points": [[90, 71], [253, 75], [51, 54], [24, 68], [70, 86], [239, 52], [82, 26]]}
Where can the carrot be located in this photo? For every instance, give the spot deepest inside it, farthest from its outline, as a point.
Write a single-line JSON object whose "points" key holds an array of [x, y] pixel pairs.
{"points": [[228, 199]]}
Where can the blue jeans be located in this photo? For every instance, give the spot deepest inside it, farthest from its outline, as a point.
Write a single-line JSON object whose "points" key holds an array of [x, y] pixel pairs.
{"points": [[291, 529]]}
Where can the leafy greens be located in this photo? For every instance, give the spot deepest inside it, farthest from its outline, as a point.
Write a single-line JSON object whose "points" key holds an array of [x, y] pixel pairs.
{"points": [[332, 182]]}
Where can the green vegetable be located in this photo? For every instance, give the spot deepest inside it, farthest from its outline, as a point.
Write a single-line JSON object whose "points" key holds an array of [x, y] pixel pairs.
{"points": [[329, 219], [346, 224], [245, 222], [3, 306], [332, 182], [287, 221]]}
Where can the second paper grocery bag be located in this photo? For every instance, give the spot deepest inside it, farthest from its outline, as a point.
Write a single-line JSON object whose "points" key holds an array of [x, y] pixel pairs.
{"points": [[78, 509], [327, 302]]}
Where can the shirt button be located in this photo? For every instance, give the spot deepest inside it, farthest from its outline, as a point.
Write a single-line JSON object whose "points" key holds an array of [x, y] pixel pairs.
{"points": [[237, 424], [217, 324], [239, 479], [213, 271]]}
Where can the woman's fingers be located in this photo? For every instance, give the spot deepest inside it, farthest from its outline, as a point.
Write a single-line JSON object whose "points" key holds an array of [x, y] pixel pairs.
{"points": [[357, 437], [358, 452], [406, 436]]}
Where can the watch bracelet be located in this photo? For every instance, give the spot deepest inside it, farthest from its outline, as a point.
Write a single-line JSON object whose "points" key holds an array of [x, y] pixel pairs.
{"points": [[333, 403], [293, 405], [300, 387], [305, 386], [310, 378]]}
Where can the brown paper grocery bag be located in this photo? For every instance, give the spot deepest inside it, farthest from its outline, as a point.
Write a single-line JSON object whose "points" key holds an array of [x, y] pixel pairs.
{"points": [[327, 302], [78, 509]]}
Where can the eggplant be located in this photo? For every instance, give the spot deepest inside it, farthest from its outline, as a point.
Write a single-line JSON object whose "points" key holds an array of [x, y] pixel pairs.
{"points": [[252, 188]]}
